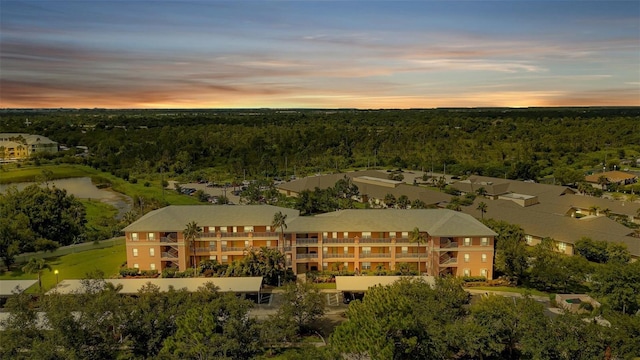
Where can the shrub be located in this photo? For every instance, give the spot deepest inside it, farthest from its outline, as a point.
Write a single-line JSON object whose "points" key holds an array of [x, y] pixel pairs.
{"points": [[169, 273], [129, 272], [147, 184], [474, 279], [149, 273], [133, 180]]}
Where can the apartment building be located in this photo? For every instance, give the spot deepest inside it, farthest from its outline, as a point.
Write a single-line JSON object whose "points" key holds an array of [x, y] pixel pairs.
{"points": [[354, 240], [15, 146]]}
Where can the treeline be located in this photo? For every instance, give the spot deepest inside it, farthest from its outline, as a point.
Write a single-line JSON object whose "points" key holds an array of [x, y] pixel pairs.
{"points": [[524, 144], [405, 320], [38, 218]]}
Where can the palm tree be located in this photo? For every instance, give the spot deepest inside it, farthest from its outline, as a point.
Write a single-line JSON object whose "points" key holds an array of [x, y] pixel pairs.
{"points": [[593, 210], [416, 237], [36, 266], [280, 221], [481, 191], [482, 206], [191, 233], [603, 181]]}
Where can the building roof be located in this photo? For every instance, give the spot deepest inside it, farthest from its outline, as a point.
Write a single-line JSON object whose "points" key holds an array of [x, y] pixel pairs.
{"points": [[176, 217], [327, 181], [10, 287], [436, 222], [363, 283], [612, 176], [132, 286], [29, 138]]}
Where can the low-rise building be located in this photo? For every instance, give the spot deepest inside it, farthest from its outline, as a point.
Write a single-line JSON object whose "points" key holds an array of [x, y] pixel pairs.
{"points": [[350, 240], [16, 146]]}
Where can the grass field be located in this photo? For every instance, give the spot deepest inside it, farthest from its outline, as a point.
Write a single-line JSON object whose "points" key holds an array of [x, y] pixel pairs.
{"points": [[511, 289], [75, 265]]}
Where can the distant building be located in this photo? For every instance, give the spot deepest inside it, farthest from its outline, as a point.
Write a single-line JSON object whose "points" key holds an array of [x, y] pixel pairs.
{"points": [[17, 146], [613, 177]]}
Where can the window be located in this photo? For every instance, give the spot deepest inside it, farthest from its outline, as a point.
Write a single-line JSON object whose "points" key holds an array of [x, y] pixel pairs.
{"points": [[248, 229], [366, 234], [213, 257], [134, 236], [392, 234], [135, 252], [223, 229], [325, 250], [466, 257], [235, 229], [345, 235], [405, 234], [466, 272], [268, 243], [334, 235], [152, 252], [562, 246], [268, 228], [484, 241], [151, 237], [484, 257], [136, 266], [366, 266], [467, 241], [224, 243], [346, 265], [246, 243], [225, 258], [405, 249], [528, 239], [366, 250], [325, 235], [325, 266], [345, 250], [152, 266], [483, 272]]}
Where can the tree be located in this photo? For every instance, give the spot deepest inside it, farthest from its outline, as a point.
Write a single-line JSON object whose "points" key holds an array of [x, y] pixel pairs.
{"points": [[403, 201], [603, 181], [568, 176], [280, 221], [418, 204], [591, 250], [404, 320], [416, 237], [191, 233], [618, 284], [389, 200], [36, 266], [482, 206], [302, 303], [593, 210], [511, 256]]}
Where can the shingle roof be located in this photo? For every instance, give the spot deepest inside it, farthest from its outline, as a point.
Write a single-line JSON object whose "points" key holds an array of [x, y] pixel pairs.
{"points": [[176, 217], [436, 222]]}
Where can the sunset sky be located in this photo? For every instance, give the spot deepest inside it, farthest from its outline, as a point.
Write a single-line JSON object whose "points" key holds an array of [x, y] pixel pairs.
{"points": [[319, 54]]}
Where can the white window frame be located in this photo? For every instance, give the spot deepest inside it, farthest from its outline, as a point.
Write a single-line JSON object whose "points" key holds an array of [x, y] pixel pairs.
{"points": [[483, 272], [151, 236], [134, 236], [136, 266], [467, 241], [484, 258], [466, 272], [392, 234], [366, 265], [135, 252], [248, 229], [562, 246], [405, 250], [405, 234], [366, 234], [152, 252], [152, 266], [366, 250], [484, 241], [467, 258]]}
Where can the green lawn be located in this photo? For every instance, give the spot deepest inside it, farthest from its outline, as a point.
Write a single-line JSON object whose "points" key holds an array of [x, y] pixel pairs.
{"points": [[75, 265], [325, 285], [12, 173]]}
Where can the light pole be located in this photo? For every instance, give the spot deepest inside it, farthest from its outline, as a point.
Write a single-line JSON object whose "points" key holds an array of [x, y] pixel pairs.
{"points": [[56, 272]]}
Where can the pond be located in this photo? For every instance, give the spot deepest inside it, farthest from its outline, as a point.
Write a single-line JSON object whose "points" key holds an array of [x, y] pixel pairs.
{"points": [[83, 188]]}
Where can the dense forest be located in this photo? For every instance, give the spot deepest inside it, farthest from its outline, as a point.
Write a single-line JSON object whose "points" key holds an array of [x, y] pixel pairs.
{"points": [[514, 143]]}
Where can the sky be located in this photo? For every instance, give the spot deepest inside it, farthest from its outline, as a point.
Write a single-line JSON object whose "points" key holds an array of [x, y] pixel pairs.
{"points": [[319, 54]]}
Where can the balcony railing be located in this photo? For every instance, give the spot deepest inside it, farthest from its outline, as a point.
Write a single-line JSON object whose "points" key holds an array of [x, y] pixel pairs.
{"points": [[205, 250], [375, 255], [409, 255], [230, 248], [375, 241], [337, 255], [306, 241], [166, 239], [446, 259], [338, 241], [306, 256], [269, 234], [403, 240], [208, 235], [287, 248], [234, 234]]}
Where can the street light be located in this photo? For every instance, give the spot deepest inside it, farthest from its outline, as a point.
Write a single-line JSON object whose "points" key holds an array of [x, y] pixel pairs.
{"points": [[56, 272]]}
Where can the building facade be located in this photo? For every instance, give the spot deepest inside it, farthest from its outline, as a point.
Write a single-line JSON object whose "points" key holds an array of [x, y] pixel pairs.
{"points": [[350, 240], [17, 146]]}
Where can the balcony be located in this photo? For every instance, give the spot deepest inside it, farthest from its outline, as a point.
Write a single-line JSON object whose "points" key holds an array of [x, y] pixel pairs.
{"points": [[375, 241], [403, 240], [206, 250], [375, 255], [306, 242], [269, 234], [338, 241], [228, 248], [446, 259], [235, 234], [306, 256], [337, 256], [409, 255], [208, 235]]}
